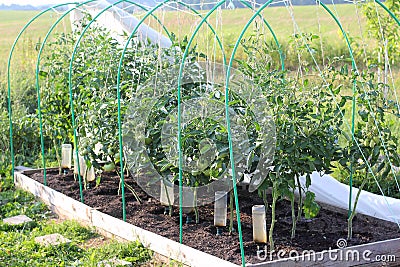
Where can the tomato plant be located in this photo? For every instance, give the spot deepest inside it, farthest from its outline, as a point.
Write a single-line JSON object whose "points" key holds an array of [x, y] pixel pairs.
{"points": [[307, 125], [372, 155]]}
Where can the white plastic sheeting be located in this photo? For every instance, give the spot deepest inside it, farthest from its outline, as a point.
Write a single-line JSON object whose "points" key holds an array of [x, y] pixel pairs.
{"points": [[119, 21], [330, 191]]}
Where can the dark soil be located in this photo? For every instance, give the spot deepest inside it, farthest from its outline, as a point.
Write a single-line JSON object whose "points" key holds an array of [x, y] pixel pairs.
{"points": [[317, 234]]}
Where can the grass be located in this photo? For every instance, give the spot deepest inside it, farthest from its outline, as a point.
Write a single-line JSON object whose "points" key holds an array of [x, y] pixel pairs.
{"points": [[308, 18], [11, 23], [18, 248], [23, 62], [229, 23]]}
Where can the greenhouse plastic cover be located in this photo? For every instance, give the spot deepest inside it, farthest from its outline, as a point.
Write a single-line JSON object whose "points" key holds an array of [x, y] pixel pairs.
{"points": [[330, 191], [118, 21]]}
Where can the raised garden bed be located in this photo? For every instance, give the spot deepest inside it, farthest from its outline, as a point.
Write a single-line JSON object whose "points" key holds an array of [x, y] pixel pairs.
{"points": [[102, 209]]}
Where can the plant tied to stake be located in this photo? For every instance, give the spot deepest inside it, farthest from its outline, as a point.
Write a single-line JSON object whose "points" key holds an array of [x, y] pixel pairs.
{"points": [[150, 131], [94, 92], [374, 151], [307, 129]]}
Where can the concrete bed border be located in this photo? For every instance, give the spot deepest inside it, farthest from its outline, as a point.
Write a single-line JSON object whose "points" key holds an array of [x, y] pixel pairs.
{"points": [[68, 208]]}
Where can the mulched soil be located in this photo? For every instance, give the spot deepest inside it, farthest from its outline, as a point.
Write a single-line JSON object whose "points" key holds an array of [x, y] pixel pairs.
{"points": [[318, 234]]}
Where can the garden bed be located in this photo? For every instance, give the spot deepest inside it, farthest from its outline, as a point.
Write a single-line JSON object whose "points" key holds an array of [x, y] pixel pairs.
{"points": [[318, 234]]}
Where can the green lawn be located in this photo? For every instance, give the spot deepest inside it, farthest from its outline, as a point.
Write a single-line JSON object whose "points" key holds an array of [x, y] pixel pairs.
{"points": [[87, 248]]}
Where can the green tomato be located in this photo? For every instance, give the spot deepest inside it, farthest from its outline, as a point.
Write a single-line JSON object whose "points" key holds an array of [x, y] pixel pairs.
{"points": [[148, 140], [109, 167]]}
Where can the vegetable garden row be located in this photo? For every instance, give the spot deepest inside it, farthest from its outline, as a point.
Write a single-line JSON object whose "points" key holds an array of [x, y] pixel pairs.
{"points": [[188, 128]]}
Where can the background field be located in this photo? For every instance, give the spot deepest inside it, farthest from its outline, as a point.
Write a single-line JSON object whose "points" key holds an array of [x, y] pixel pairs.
{"points": [[284, 21], [11, 22], [309, 19], [228, 25]]}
